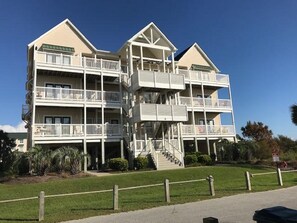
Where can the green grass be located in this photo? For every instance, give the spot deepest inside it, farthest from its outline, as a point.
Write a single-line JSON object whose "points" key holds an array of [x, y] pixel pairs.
{"points": [[229, 180]]}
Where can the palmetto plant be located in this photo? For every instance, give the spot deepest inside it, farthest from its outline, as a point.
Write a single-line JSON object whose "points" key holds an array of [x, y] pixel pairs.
{"points": [[40, 160], [67, 156], [294, 113]]}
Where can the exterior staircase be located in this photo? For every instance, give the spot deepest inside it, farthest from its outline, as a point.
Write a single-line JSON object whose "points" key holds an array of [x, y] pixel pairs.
{"points": [[166, 162]]}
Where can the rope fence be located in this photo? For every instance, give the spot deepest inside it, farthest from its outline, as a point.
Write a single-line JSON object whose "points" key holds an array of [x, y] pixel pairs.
{"points": [[115, 192], [278, 172]]}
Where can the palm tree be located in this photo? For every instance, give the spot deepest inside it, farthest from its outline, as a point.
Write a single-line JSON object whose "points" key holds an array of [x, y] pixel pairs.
{"points": [[294, 113]]}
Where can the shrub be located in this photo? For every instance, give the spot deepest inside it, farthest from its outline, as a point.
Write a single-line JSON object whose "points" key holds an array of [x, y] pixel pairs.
{"points": [[204, 159], [22, 164], [118, 164], [190, 159], [140, 162], [213, 157]]}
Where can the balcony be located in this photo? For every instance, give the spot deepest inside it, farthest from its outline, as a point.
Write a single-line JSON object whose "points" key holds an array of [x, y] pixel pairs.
{"points": [[213, 130], [205, 77], [25, 111], [69, 61], [212, 104], [160, 112], [157, 80], [65, 95], [76, 130]]}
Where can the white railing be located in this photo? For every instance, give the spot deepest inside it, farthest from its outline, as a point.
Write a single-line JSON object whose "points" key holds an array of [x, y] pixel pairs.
{"points": [[58, 130], [210, 130], [151, 79], [205, 76], [172, 149], [209, 103], [76, 61], [160, 112], [217, 103], [75, 130], [197, 102], [65, 94]]}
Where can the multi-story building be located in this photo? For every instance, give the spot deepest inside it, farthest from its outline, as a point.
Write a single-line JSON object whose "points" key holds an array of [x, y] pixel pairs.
{"points": [[20, 140], [141, 100]]}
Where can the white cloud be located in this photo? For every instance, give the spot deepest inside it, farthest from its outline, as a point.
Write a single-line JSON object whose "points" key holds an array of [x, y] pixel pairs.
{"points": [[9, 128]]}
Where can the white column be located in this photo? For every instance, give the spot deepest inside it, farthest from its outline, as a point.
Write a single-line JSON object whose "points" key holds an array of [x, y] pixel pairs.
{"points": [[232, 113], [122, 148], [173, 62], [130, 60], [163, 60], [102, 122], [141, 58], [34, 70]]}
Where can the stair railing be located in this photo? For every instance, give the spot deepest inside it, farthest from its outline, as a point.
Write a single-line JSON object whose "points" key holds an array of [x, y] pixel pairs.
{"points": [[174, 153]]}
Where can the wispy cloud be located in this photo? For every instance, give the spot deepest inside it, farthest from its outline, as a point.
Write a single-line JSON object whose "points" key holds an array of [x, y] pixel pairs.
{"points": [[18, 128]]}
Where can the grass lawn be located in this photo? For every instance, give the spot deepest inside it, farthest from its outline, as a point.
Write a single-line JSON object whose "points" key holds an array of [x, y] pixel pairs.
{"points": [[229, 180]]}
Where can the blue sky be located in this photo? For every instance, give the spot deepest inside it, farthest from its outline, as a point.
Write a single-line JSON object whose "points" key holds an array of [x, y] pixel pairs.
{"points": [[254, 41]]}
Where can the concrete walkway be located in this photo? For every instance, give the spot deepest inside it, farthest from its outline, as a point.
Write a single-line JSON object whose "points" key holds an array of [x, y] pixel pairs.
{"points": [[239, 208]]}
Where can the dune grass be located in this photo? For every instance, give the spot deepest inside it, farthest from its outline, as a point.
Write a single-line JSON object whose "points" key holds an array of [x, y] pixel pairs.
{"points": [[229, 180]]}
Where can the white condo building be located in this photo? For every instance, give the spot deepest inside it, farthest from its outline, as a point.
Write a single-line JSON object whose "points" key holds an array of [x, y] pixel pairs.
{"points": [[142, 100]]}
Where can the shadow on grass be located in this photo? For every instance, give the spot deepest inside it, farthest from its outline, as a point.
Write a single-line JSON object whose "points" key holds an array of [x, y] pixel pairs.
{"points": [[91, 209], [17, 219]]}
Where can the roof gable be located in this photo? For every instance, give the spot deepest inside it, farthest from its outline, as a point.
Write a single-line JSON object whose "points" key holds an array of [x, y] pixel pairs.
{"points": [[72, 27], [198, 57], [151, 34]]}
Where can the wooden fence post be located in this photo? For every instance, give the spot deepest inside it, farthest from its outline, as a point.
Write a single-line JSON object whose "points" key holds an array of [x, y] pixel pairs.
{"points": [[41, 206], [279, 177], [248, 181], [211, 185], [167, 191], [115, 197]]}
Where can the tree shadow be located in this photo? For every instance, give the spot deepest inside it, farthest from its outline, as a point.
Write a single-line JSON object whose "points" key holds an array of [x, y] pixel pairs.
{"points": [[18, 219], [91, 209]]}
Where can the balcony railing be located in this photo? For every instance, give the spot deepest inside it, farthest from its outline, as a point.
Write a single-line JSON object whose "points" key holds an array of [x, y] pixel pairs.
{"points": [[159, 112], [209, 103], [151, 79], [76, 61], [76, 95], [208, 130], [205, 76], [75, 130]]}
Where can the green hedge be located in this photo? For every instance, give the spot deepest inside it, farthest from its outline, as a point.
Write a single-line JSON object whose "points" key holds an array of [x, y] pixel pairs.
{"points": [[190, 159], [141, 163], [118, 164], [204, 159]]}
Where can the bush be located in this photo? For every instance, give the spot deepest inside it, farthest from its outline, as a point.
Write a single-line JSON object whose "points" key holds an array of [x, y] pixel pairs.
{"points": [[118, 164], [204, 159], [190, 159], [23, 164], [140, 162]]}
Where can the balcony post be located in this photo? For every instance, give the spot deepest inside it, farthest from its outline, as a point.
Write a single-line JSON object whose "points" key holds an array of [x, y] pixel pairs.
{"points": [[141, 58], [173, 63]]}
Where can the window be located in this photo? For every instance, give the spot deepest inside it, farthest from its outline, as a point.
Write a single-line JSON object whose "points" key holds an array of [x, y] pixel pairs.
{"points": [[21, 141], [57, 120]]}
